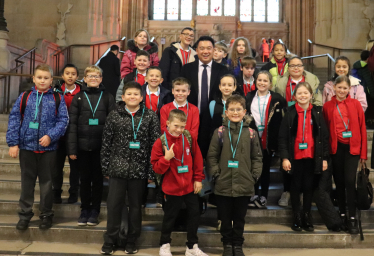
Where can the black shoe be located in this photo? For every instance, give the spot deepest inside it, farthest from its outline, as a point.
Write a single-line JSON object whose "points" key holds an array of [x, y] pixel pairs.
{"points": [[46, 222], [344, 225], [107, 249], [238, 250], [57, 197], [73, 198], [22, 224], [297, 225], [83, 218], [353, 226], [307, 222], [93, 219], [227, 250], [131, 248]]}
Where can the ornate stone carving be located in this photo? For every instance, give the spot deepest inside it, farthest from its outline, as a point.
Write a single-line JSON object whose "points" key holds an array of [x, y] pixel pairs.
{"points": [[61, 27], [369, 14], [192, 24], [216, 32]]}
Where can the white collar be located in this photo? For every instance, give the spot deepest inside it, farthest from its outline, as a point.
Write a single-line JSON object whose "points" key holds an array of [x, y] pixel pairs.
{"points": [[297, 81], [143, 74], [155, 93], [209, 64], [180, 47], [132, 112], [179, 106], [263, 95], [70, 91], [251, 79]]}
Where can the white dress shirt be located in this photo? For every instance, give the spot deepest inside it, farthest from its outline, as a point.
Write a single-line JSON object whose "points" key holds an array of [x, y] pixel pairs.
{"points": [[209, 72]]}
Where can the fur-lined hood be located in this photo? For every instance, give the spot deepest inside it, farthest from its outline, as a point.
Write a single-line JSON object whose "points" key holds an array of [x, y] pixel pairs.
{"points": [[150, 47]]}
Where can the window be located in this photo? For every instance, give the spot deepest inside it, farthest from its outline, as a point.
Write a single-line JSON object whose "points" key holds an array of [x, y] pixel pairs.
{"points": [[249, 10]]}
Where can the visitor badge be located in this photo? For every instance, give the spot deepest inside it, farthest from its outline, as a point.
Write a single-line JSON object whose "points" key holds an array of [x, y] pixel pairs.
{"points": [[134, 145], [183, 169], [303, 145], [261, 128], [33, 125], [93, 121], [347, 134], [291, 103], [233, 164]]}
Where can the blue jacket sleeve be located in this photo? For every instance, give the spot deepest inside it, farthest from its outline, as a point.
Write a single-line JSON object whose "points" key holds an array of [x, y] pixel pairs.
{"points": [[14, 124], [62, 121]]}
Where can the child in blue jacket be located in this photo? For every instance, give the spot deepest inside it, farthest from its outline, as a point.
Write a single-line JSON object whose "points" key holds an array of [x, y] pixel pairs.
{"points": [[37, 121]]}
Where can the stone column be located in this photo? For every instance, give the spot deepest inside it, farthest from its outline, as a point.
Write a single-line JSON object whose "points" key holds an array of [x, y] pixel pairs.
{"points": [[4, 52]]}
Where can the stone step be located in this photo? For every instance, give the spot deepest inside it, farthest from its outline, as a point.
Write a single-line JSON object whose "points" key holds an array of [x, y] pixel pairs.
{"points": [[256, 235]]}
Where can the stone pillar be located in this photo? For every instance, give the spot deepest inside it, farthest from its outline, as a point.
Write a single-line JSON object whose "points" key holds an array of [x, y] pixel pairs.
{"points": [[4, 52]]}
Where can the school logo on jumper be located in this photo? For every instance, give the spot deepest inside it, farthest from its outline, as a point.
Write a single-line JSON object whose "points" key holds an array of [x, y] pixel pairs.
{"points": [[79, 98], [187, 151]]}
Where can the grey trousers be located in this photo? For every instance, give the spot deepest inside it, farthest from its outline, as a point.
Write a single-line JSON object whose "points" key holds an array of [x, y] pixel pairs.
{"points": [[33, 166]]}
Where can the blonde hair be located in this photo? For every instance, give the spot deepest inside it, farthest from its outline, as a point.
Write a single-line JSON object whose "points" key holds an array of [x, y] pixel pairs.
{"points": [[234, 52], [178, 114], [267, 73], [221, 46], [93, 69], [44, 67], [181, 81], [306, 85], [140, 31]]}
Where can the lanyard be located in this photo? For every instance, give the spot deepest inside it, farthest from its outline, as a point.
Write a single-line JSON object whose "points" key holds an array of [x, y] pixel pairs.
{"points": [[150, 100], [185, 61], [178, 107], [67, 91], [304, 125], [262, 114], [237, 142], [291, 89], [93, 111], [284, 64], [345, 125], [37, 103], [133, 125], [167, 146], [136, 76]]}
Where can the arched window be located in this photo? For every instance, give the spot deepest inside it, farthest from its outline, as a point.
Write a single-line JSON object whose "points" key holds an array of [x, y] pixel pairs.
{"points": [[247, 10]]}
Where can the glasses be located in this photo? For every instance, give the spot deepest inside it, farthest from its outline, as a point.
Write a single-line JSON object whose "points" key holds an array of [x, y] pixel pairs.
{"points": [[233, 110], [93, 77], [188, 35], [295, 66]]}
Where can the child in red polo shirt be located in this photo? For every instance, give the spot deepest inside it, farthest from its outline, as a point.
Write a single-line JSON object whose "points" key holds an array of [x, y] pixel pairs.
{"points": [[142, 62], [348, 145], [181, 88], [179, 159], [303, 125]]}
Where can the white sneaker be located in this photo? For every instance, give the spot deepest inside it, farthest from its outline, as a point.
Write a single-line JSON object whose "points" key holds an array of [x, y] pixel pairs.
{"points": [[195, 251], [284, 200], [165, 250]]}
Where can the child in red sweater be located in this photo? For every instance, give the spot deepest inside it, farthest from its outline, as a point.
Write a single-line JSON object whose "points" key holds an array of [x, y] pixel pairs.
{"points": [[348, 145], [181, 88], [182, 166]]}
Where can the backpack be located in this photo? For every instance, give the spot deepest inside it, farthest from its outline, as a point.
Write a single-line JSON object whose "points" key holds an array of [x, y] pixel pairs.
{"points": [[212, 105], [221, 129], [25, 98]]}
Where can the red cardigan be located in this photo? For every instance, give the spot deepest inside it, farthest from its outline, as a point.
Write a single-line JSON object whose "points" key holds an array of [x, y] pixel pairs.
{"points": [[174, 183], [358, 141]]}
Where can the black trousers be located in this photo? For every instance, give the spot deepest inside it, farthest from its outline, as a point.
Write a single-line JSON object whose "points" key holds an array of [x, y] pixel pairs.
{"points": [[286, 180], [171, 210], [33, 166], [265, 175], [118, 188], [344, 172], [91, 179], [232, 211], [302, 182], [58, 176]]}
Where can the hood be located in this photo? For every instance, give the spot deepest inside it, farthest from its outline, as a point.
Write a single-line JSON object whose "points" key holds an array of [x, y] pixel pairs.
{"points": [[246, 119], [84, 87], [354, 81], [150, 48], [59, 83]]}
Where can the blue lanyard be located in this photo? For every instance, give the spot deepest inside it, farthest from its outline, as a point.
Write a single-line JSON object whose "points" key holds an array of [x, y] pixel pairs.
{"points": [[178, 107], [133, 125], [345, 125], [37, 103], [66, 90], [93, 111], [136, 76], [284, 65], [167, 146], [291, 89], [304, 124], [183, 56], [237, 142], [262, 114], [150, 100]]}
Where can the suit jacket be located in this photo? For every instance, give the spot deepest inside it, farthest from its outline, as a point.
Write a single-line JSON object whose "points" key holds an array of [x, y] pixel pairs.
{"points": [[191, 72]]}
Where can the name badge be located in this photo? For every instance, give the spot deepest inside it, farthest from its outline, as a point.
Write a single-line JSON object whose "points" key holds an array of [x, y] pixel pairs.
{"points": [[291, 103], [303, 145], [33, 125], [233, 164], [261, 128], [93, 121], [183, 169], [134, 145], [347, 134]]}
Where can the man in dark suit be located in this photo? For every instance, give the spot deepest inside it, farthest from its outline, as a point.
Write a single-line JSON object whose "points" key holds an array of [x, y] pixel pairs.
{"points": [[204, 75], [110, 65]]}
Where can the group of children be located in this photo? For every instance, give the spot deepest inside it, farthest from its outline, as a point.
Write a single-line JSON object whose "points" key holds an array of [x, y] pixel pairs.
{"points": [[152, 131]]}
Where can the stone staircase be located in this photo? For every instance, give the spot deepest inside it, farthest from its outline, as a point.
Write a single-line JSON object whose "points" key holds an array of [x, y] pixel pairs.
{"points": [[265, 228]]}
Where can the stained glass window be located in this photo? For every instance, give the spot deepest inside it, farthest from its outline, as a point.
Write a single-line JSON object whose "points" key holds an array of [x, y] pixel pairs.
{"points": [[215, 7], [273, 10], [246, 10], [173, 7], [259, 7], [186, 9], [159, 9], [230, 8], [202, 7]]}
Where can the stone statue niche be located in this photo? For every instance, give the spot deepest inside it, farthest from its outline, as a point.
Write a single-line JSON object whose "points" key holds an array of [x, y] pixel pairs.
{"points": [[61, 27], [216, 33]]}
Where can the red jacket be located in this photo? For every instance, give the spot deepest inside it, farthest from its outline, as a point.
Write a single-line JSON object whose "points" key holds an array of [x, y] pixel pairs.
{"points": [[174, 183], [68, 97], [193, 118], [358, 141]]}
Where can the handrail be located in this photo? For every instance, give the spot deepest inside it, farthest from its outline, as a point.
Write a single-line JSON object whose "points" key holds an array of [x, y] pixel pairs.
{"points": [[321, 55], [333, 47], [107, 51], [280, 40], [23, 75], [330, 61], [17, 60]]}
